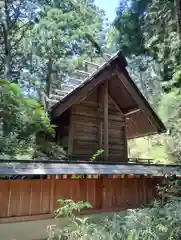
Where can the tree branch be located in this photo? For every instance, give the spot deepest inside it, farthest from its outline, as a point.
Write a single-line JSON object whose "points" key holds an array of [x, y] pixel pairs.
{"points": [[16, 30], [16, 15], [21, 37]]}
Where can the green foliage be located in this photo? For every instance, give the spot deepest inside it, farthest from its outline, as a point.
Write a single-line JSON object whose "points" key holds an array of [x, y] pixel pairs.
{"points": [[168, 191], [150, 29], [42, 41], [69, 207], [96, 155], [165, 148], [148, 33], [149, 148], [58, 42], [170, 110], [161, 220], [22, 121]]}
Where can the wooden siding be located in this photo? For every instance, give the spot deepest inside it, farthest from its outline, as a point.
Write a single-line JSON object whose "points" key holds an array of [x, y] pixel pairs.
{"points": [[87, 120], [28, 199]]}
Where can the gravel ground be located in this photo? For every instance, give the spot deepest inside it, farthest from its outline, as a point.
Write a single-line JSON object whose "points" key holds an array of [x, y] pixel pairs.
{"points": [[36, 230]]}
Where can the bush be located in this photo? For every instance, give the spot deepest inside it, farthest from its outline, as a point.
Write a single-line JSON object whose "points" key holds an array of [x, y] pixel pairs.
{"points": [[22, 120], [162, 221]]}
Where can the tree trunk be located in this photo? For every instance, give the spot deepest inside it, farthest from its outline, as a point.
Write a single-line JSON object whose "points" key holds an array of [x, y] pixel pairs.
{"points": [[52, 77], [178, 11], [7, 43], [143, 84], [49, 78]]}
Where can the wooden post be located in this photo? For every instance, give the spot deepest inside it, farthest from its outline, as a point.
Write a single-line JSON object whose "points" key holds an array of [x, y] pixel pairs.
{"points": [[100, 134], [125, 142], [106, 136], [100, 102], [31, 193], [70, 138], [9, 198], [52, 194]]}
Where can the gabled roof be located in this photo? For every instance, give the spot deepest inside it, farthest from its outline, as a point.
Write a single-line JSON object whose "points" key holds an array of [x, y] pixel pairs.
{"points": [[140, 117]]}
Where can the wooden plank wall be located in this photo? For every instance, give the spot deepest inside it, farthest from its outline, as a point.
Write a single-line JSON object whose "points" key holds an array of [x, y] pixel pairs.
{"points": [[117, 137], [37, 199], [85, 122], [24, 197]]}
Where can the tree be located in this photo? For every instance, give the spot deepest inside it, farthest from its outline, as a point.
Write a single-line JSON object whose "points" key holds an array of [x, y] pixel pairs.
{"points": [[58, 42], [24, 126], [178, 10], [170, 110], [149, 34], [40, 40], [158, 36], [16, 17], [131, 40], [128, 22]]}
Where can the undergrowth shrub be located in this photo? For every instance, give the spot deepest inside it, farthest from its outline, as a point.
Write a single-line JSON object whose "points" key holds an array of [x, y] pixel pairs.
{"points": [[160, 221]]}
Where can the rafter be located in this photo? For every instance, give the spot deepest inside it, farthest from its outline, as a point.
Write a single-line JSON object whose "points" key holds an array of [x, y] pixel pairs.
{"points": [[131, 111], [82, 73]]}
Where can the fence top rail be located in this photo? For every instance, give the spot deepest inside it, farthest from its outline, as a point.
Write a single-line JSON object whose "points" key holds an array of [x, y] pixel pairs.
{"points": [[130, 161], [53, 168]]}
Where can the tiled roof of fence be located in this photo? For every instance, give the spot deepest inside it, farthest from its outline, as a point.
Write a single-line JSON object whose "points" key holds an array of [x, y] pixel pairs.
{"points": [[39, 168]]}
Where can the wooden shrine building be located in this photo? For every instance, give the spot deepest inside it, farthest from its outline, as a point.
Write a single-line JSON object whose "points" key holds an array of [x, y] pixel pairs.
{"points": [[103, 112], [100, 109]]}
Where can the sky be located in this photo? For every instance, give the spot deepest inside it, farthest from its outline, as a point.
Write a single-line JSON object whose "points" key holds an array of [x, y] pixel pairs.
{"points": [[109, 6]]}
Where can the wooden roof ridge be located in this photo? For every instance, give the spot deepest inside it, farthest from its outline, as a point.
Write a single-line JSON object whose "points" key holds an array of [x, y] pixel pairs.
{"points": [[114, 67], [89, 76], [59, 94]]}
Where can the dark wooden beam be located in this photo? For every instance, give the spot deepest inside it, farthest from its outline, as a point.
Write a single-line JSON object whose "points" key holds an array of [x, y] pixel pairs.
{"points": [[70, 137], [116, 105], [132, 90], [125, 142], [100, 103], [106, 133]]}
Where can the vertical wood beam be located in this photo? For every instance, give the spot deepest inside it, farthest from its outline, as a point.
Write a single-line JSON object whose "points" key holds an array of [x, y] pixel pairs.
{"points": [[106, 135], [70, 137], [41, 195], [52, 194], [58, 136], [100, 134], [125, 142], [31, 193], [100, 127], [9, 198]]}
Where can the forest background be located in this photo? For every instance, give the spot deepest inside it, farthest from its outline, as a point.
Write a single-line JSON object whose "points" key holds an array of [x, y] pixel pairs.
{"points": [[43, 41]]}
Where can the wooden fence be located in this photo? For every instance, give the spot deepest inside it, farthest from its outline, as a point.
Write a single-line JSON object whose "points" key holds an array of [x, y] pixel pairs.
{"points": [[22, 200]]}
